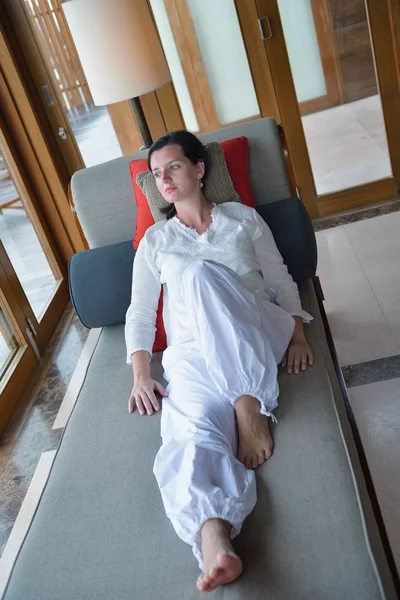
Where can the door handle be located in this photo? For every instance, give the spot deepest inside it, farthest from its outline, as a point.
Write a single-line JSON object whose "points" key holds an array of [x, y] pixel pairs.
{"points": [[261, 26], [62, 133]]}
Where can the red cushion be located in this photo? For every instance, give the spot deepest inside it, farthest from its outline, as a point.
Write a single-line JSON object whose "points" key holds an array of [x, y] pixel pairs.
{"points": [[144, 218], [236, 152], [160, 343]]}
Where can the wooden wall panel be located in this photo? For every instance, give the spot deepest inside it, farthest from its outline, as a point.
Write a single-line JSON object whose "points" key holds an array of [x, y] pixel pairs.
{"points": [[125, 127], [354, 49]]}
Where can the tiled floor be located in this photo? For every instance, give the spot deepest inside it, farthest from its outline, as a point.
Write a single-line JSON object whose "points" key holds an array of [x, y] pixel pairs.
{"points": [[347, 145], [360, 275], [30, 435], [376, 408]]}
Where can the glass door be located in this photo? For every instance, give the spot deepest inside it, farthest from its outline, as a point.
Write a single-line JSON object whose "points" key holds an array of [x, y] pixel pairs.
{"points": [[28, 255], [21, 243], [33, 287], [18, 358], [334, 73], [9, 342]]}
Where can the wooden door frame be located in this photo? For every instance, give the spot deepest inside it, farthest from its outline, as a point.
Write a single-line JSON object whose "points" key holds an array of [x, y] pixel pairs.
{"points": [[290, 115], [22, 41], [383, 18], [325, 32], [258, 59], [36, 155], [24, 363], [285, 92], [384, 48], [60, 296], [187, 45]]}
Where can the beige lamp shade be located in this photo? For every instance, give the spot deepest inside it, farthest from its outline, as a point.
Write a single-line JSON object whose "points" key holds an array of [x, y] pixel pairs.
{"points": [[118, 46]]}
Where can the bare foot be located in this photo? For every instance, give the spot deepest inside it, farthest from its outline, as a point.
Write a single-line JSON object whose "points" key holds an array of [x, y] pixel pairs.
{"points": [[255, 441], [221, 564]]}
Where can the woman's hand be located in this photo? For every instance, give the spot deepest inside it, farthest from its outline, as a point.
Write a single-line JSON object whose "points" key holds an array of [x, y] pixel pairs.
{"points": [[143, 395], [299, 353]]}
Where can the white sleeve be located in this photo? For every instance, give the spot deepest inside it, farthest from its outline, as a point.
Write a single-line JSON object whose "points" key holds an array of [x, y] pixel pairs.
{"points": [[279, 283], [141, 316]]}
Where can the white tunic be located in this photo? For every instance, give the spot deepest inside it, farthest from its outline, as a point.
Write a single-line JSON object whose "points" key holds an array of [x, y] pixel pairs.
{"points": [[225, 339], [237, 238]]}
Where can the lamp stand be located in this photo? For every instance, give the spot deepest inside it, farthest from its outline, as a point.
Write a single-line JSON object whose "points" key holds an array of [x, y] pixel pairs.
{"points": [[141, 122]]}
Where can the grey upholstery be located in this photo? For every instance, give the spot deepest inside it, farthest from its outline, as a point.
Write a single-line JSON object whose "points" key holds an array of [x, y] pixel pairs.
{"points": [[100, 531], [100, 278], [103, 194]]}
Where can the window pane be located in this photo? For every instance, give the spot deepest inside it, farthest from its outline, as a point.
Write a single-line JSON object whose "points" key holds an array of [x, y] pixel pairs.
{"points": [[8, 342], [225, 60], [341, 105], [174, 64], [22, 245]]}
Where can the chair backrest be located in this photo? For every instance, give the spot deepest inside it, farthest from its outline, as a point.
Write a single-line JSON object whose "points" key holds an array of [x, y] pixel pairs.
{"points": [[104, 199]]}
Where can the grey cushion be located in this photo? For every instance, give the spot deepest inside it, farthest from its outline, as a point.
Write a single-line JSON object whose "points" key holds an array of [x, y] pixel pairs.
{"points": [[103, 194], [294, 235], [100, 282], [100, 531], [100, 279]]}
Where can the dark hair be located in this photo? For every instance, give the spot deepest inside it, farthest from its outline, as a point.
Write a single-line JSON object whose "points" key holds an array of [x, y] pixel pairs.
{"points": [[192, 148]]}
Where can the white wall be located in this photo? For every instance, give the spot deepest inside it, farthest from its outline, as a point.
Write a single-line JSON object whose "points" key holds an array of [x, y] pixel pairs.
{"points": [[225, 60], [302, 45], [174, 64]]}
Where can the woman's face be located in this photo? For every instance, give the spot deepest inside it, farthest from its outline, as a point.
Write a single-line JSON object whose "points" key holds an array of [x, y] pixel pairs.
{"points": [[177, 178]]}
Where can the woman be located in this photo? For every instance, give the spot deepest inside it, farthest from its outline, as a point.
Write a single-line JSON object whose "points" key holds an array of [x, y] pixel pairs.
{"points": [[225, 340]]}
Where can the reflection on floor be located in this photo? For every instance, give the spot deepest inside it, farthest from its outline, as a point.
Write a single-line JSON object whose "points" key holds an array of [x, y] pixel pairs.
{"points": [[27, 257], [347, 145], [359, 274], [95, 136], [22, 446]]}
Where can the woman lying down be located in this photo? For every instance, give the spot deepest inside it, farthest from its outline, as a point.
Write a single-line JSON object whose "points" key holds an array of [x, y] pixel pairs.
{"points": [[225, 340]]}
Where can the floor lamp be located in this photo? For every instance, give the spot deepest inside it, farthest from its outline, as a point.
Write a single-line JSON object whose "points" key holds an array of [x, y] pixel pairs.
{"points": [[120, 52]]}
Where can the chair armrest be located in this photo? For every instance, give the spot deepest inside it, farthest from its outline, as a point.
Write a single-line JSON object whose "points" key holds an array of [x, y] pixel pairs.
{"points": [[100, 283], [294, 235]]}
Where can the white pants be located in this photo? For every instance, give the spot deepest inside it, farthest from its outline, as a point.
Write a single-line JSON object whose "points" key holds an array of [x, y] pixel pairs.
{"points": [[238, 340]]}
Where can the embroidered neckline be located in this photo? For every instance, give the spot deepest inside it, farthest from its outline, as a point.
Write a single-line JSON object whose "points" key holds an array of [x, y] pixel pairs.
{"points": [[192, 230]]}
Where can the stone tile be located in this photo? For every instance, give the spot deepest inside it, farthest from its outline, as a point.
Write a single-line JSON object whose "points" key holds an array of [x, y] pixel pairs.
{"points": [[36, 435], [368, 113], [369, 212], [381, 369], [355, 317], [24, 518], [351, 352], [377, 411], [343, 152], [376, 243]]}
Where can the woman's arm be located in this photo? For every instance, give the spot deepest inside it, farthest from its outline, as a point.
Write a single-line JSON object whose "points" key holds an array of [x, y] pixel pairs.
{"points": [[144, 387], [140, 331], [279, 283], [141, 316]]}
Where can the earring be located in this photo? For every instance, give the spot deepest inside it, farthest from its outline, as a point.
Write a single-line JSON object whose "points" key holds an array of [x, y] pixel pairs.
{"points": [[201, 184]]}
